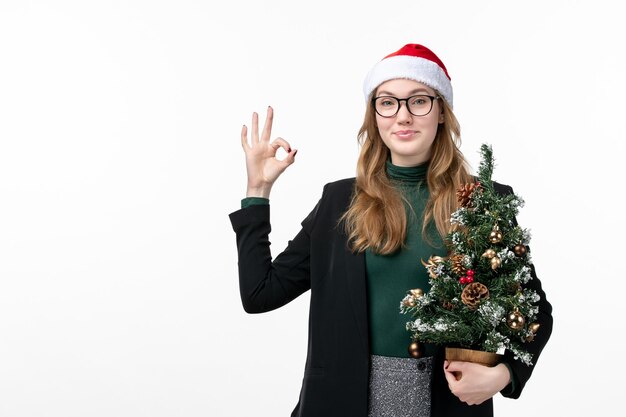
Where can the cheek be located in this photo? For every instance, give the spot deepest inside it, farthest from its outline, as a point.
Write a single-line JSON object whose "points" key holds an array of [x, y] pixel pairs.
{"points": [[432, 122], [383, 124]]}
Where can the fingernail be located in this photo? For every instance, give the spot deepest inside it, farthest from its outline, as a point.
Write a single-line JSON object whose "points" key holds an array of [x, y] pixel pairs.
{"points": [[289, 150], [295, 152]]}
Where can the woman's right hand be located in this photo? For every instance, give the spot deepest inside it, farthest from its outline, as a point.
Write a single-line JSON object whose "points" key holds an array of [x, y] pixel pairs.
{"points": [[261, 163]]}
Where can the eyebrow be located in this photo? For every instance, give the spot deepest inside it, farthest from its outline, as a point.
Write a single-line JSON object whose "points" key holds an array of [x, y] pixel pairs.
{"points": [[417, 90]]}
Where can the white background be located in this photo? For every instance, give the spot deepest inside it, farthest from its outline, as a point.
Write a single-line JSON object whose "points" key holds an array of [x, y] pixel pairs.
{"points": [[120, 161]]}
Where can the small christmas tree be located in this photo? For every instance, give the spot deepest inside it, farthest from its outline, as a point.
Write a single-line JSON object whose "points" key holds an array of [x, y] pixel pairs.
{"points": [[477, 298]]}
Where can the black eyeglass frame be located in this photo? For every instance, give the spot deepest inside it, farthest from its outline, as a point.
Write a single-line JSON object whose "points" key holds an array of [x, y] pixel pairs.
{"points": [[406, 104]]}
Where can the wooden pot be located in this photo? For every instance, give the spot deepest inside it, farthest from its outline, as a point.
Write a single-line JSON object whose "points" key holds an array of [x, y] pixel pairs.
{"points": [[476, 356]]}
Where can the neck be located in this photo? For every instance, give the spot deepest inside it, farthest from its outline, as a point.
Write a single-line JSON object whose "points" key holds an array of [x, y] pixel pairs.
{"points": [[407, 175]]}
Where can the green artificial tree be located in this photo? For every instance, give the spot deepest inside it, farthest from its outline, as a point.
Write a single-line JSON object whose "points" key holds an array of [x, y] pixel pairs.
{"points": [[477, 299]]}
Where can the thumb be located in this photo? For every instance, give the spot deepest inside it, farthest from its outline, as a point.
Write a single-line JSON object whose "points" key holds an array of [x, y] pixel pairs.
{"points": [[454, 366], [450, 377], [291, 157], [454, 371], [287, 161]]}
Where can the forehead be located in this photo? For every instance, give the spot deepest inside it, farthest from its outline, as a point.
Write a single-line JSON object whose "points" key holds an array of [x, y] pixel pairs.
{"points": [[401, 86]]}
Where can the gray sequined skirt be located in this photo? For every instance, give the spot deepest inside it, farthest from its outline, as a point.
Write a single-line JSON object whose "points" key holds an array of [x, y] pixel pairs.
{"points": [[399, 387]]}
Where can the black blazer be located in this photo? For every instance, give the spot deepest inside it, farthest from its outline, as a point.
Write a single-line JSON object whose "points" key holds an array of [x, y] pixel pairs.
{"points": [[336, 375]]}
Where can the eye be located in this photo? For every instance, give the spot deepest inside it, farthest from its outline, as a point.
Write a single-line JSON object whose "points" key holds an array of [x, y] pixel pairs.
{"points": [[387, 102], [418, 100]]}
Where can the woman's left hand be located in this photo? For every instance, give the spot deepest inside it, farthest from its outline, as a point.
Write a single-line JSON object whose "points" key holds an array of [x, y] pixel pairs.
{"points": [[473, 383]]}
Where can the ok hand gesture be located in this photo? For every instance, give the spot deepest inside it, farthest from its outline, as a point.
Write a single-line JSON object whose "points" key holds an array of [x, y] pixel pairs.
{"points": [[262, 166]]}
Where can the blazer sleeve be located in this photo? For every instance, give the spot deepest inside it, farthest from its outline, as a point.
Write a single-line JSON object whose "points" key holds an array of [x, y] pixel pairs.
{"points": [[267, 284], [522, 372]]}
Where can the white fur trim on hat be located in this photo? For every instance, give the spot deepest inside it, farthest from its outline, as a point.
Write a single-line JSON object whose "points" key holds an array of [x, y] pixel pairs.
{"points": [[418, 69]]}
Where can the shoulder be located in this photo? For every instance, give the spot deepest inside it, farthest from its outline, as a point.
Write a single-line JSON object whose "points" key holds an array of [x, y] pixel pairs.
{"points": [[335, 200], [342, 186], [502, 189], [338, 194]]}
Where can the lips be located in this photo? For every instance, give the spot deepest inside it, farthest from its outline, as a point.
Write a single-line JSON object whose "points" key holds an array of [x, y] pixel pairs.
{"points": [[405, 134]]}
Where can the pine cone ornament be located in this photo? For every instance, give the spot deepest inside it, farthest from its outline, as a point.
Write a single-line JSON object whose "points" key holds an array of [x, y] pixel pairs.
{"points": [[473, 294], [458, 264], [464, 194]]}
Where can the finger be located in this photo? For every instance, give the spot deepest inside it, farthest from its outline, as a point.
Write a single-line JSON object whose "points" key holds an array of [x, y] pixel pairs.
{"points": [[291, 157], [281, 143], [450, 378], [454, 366], [244, 138], [267, 128], [255, 128]]}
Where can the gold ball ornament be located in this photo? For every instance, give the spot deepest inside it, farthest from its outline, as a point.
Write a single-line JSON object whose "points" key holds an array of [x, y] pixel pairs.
{"points": [[520, 250], [495, 262], [489, 253], [416, 349], [495, 236], [515, 320], [417, 292]]}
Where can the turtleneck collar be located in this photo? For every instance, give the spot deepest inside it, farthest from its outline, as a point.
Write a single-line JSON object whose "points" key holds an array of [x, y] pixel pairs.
{"points": [[407, 175]]}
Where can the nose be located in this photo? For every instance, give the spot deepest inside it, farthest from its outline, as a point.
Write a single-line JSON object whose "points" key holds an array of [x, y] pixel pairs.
{"points": [[404, 116]]}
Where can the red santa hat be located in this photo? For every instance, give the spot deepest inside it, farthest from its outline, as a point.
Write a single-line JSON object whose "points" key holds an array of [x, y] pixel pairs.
{"points": [[413, 62]]}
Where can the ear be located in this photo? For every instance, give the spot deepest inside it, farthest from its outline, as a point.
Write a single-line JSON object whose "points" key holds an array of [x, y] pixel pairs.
{"points": [[441, 118]]}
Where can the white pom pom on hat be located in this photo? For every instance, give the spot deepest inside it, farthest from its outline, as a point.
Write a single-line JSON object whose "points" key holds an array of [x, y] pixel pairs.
{"points": [[413, 62]]}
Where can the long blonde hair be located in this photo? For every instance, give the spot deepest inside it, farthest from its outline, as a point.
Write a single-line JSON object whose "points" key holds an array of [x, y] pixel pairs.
{"points": [[376, 218]]}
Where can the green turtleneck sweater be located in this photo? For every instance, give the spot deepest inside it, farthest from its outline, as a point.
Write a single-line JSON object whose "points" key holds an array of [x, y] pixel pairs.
{"points": [[389, 277]]}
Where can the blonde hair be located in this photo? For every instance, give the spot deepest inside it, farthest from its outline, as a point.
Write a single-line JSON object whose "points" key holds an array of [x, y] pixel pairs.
{"points": [[376, 218]]}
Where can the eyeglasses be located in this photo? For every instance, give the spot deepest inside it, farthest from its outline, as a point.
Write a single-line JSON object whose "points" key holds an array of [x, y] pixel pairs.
{"points": [[388, 106]]}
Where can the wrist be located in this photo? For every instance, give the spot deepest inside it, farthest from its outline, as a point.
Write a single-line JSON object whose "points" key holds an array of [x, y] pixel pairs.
{"points": [[503, 376], [259, 191]]}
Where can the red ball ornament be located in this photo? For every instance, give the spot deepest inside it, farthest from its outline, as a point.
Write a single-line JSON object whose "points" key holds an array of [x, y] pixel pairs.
{"points": [[470, 279], [470, 272]]}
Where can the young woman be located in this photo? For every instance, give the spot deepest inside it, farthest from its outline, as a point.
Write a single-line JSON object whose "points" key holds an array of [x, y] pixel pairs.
{"points": [[358, 249]]}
